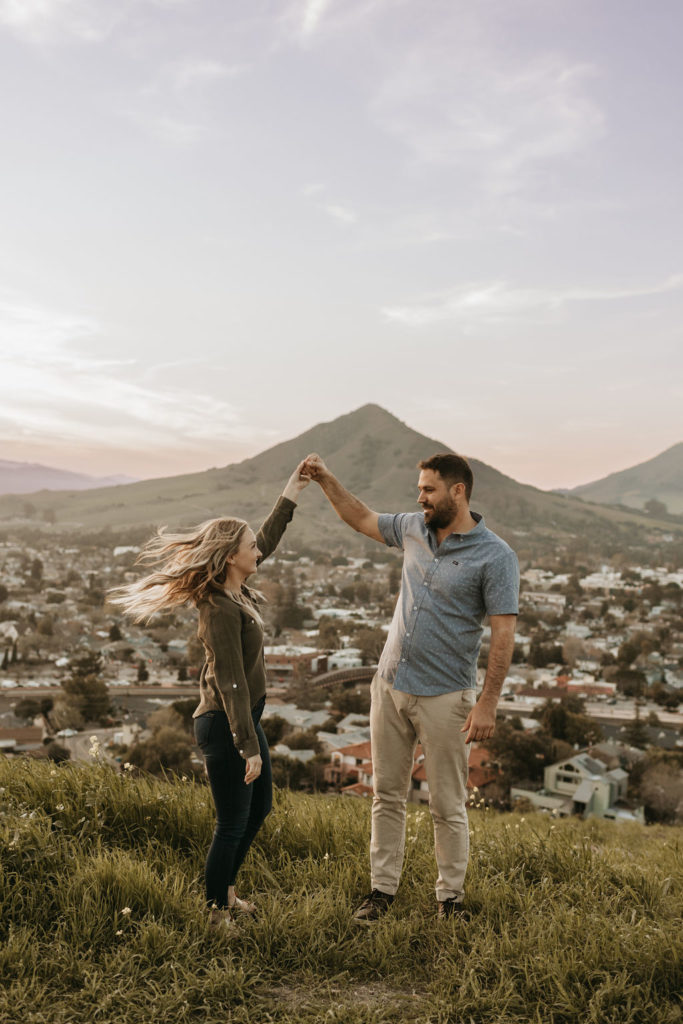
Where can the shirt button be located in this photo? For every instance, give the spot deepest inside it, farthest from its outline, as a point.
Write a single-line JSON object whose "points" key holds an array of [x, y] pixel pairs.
{"points": [[234, 686], [235, 735], [408, 633]]}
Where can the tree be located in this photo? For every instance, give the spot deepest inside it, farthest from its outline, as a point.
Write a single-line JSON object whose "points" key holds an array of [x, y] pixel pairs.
{"points": [[289, 614], [564, 720], [630, 681], [143, 674], [57, 752], [541, 655], [328, 634], [85, 689], [182, 672], [371, 643], [166, 750], [115, 633], [636, 731], [352, 701], [4, 593], [653, 507], [37, 572], [304, 740], [30, 707], [661, 790], [521, 756], [185, 709], [274, 728], [67, 714]]}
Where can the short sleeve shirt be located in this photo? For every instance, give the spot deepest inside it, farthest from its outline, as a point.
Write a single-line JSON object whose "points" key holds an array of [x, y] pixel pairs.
{"points": [[447, 590]]}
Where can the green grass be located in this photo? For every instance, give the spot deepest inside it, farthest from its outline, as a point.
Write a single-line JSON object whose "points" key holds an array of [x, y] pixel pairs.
{"points": [[571, 921]]}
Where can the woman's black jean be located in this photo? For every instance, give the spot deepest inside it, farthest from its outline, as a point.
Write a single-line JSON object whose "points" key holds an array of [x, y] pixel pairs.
{"points": [[241, 809]]}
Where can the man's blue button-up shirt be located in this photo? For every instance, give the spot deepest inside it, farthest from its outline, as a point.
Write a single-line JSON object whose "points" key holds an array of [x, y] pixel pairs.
{"points": [[447, 590]]}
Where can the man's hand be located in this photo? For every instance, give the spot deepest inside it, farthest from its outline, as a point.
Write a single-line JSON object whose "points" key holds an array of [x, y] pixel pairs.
{"points": [[480, 724], [314, 467]]}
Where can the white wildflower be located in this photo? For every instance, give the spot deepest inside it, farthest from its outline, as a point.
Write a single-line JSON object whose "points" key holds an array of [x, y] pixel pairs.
{"points": [[126, 911], [60, 807]]}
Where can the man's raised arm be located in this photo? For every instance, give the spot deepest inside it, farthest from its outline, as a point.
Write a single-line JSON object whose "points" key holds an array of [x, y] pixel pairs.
{"points": [[349, 508]]}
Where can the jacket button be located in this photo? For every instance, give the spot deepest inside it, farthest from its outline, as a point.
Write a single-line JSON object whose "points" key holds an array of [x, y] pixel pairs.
{"points": [[234, 686]]}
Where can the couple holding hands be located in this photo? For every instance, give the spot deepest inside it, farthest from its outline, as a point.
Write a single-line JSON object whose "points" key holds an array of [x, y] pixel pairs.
{"points": [[455, 573]]}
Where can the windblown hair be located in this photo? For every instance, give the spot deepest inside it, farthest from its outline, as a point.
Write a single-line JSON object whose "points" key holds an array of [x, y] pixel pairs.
{"points": [[190, 568]]}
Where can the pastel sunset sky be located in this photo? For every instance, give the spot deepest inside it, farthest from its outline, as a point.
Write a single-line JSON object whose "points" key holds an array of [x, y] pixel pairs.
{"points": [[223, 221]]}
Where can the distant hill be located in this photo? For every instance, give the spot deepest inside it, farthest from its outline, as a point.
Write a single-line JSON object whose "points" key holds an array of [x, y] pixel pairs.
{"points": [[660, 478], [372, 452], [26, 477]]}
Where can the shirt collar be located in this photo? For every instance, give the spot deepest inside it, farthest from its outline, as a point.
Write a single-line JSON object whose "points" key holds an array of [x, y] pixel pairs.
{"points": [[476, 531]]}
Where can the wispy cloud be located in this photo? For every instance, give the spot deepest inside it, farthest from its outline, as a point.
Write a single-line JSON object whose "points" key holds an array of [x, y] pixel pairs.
{"points": [[192, 72], [55, 389], [44, 21], [341, 213], [461, 100], [496, 302], [312, 13], [308, 21]]}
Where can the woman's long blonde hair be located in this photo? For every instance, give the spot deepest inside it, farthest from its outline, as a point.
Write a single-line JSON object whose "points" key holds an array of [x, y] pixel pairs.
{"points": [[190, 568]]}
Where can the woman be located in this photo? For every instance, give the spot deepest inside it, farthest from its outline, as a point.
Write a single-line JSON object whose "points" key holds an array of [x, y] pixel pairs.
{"points": [[209, 567]]}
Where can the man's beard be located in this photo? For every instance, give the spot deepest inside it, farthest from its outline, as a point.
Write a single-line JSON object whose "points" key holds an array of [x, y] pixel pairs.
{"points": [[443, 514]]}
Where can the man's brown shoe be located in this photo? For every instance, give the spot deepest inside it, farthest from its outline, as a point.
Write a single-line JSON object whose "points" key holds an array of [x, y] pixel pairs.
{"points": [[373, 907]]}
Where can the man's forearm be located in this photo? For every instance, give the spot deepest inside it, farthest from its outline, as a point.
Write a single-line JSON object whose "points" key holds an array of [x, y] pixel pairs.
{"points": [[347, 506], [500, 656]]}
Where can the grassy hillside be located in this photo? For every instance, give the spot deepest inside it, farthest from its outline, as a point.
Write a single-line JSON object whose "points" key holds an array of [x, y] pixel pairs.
{"points": [[660, 478], [572, 923], [371, 451]]}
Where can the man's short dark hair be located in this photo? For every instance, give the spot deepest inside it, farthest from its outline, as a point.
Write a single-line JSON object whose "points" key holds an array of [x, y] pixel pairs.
{"points": [[454, 469]]}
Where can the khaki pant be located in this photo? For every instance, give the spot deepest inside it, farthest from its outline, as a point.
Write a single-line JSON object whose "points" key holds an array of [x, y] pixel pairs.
{"points": [[398, 721]]}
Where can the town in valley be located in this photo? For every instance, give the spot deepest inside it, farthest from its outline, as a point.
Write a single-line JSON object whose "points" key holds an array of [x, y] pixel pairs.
{"points": [[590, 717]]}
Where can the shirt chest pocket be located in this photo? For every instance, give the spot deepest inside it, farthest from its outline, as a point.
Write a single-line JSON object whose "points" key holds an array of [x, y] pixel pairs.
{"points": [[458, 580]]}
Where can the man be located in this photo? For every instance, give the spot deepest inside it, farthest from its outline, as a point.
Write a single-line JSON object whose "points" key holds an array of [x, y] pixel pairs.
{"points": [[455, 572]]}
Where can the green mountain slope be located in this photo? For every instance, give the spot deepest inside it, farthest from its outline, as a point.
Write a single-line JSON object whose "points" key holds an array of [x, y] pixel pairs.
{"points": [[370, 450], [660, 478]]}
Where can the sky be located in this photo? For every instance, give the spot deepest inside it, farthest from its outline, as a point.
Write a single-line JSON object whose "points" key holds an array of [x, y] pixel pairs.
{"points": [[225, 222]]}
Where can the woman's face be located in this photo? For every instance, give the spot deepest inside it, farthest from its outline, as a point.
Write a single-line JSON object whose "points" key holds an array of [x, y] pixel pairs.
{"points": [[245, 560]]}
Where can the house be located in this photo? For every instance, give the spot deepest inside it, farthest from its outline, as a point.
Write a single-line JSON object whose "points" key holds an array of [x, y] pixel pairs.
{"points": [[482, 772], [285, 661], [21, 740], [583, 785], [345, 761]]}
